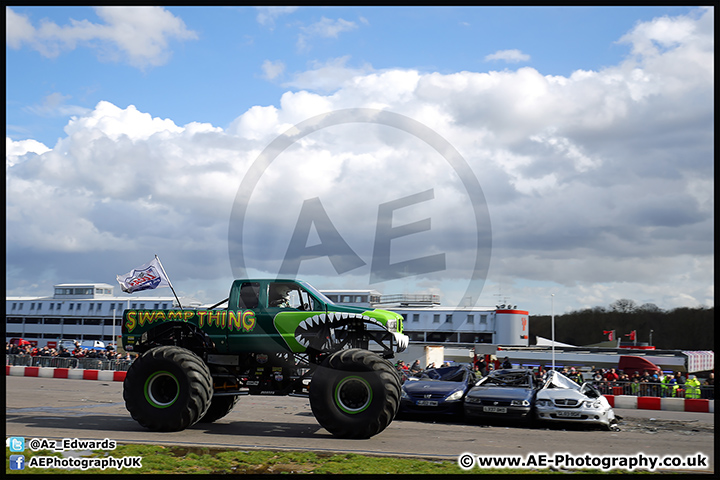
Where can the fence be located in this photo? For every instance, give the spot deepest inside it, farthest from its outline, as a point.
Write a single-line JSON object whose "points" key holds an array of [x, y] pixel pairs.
{"points": [[68, 362], [647, 389]]}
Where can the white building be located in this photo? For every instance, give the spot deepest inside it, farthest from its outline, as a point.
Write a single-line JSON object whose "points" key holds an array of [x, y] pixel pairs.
{"points": [[92, 312], [87, 311]]}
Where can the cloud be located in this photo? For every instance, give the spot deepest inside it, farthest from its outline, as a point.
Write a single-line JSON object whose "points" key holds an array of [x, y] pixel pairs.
{"points": [[138, 35], [54, 105], [324, 28], [509, 56], [272, 70], [599, 183], [268, 15], [327, 76]]}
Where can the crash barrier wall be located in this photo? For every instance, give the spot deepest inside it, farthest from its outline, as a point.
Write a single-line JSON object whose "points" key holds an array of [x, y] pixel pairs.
{"points": [[68, 362], [661, 390], [71, 373], [656, 403]]}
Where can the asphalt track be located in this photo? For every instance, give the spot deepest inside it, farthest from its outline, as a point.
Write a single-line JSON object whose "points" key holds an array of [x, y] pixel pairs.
{"points": [[94, 410]]}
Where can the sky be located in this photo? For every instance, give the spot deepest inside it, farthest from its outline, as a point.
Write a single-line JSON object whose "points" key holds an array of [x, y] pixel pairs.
{"points": [[551, 158]]}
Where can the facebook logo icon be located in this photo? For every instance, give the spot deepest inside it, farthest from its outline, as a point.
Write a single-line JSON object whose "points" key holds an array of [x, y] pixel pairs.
{"points": [[17, 462]]}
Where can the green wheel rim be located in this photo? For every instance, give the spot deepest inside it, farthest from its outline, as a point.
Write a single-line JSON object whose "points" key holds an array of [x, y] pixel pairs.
{"points": [[162, 389], [353, 395]]}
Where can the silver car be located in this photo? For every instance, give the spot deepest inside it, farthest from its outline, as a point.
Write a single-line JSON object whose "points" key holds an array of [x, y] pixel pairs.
{"points": [[562, 400]]}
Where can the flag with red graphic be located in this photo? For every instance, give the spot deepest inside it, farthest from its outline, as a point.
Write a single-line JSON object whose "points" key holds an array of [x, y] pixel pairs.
{"points": [[610, 334]]}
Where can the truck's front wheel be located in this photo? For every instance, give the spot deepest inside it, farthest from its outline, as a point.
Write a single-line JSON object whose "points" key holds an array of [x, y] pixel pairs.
{"points": [[355, 394], [167, 389]]}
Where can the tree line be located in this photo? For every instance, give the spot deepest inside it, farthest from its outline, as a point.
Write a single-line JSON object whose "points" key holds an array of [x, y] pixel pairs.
{"points": [[678, 329]]}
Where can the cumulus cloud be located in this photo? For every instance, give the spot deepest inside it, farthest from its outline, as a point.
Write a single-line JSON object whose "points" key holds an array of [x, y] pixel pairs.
{"points": [[599, 182], [138, 35], [509, 56]]}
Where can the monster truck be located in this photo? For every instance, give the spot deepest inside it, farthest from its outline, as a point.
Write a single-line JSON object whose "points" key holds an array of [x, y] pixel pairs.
{"points": [[275, 337]]}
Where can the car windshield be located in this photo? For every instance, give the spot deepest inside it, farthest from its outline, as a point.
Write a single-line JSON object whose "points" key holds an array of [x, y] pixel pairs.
{"points": [[317, 294], [452, 374], [507, 380]]}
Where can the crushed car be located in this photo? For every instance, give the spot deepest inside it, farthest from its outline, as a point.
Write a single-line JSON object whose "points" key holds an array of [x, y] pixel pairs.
{"points": [[437, 391], [562, 400], [507, 393]]}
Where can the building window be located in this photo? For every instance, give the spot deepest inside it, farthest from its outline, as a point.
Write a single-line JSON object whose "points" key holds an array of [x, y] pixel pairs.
{"points": [[32, 320], [416, 317], [157, 306], [77, 306], [436, 318], [165, 306], [90, 307], [98, 307], [483, 318], [14, 320], [32, 306], [52, 321], [71, 321], [134, 306], [39, 306], [14, 306], [71, 307], [471, 319], [448, 318], [91, 321], [52, 306]]}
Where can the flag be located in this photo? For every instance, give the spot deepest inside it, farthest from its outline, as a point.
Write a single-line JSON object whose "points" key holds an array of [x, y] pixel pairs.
{"points": [[149, 276], [609, 333], [631, 335]]}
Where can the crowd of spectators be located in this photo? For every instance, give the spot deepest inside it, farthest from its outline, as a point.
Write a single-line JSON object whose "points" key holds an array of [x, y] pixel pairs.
{"points": [[77, 352]]}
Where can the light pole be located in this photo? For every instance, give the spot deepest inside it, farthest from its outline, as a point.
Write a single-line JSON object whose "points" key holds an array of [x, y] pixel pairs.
{"points": [[650, 342], [552, 316]]}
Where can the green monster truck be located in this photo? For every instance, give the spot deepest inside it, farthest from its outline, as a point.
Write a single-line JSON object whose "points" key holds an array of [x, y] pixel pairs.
{"points": [[276, 337]]}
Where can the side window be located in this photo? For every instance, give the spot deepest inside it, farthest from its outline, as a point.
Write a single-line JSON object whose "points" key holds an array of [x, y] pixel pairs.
{"points": [[249, 295], [288, 295]]}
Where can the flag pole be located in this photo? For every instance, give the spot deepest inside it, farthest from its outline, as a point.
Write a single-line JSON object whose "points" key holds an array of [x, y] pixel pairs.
{"points": [[169, 282]]}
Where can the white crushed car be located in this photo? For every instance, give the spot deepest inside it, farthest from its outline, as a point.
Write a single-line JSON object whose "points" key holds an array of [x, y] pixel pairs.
{"points": [[562, 400]]}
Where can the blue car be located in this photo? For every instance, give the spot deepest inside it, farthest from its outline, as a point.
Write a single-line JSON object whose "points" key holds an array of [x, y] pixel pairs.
{"points": [[437, 391]]}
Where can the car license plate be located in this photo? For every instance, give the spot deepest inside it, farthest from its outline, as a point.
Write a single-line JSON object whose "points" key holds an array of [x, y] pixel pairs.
{"points": [[562, 413], [495, 409], [426, 403]]}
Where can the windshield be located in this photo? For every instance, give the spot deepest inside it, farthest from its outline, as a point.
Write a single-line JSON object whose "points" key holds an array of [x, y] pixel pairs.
{"points": [[507, 380], [317, 294]]}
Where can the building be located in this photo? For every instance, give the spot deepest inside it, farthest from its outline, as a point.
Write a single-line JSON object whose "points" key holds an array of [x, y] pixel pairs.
{"points": [[87, 311], [92, 312], [427, 321]]}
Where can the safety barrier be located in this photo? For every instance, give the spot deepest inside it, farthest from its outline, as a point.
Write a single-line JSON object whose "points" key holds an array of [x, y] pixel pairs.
{"points": [[661, 390], [83, 363]]}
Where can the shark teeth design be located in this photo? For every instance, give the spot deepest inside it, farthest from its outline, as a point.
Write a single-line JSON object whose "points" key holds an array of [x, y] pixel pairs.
{"points": [[318, 331]]}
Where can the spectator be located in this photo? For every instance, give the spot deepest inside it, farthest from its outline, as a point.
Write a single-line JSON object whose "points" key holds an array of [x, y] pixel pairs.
{"points": [[506, 363], [612, 376]]}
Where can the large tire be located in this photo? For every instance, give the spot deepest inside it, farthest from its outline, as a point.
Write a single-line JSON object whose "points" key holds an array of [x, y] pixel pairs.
{"points": [[167, 389], [355, 394], [219, 407]]}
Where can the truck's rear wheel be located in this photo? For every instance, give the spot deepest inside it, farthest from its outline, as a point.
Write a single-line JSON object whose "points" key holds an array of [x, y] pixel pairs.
{"points": [[167, 389], [355, 394], [219, 407]]}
